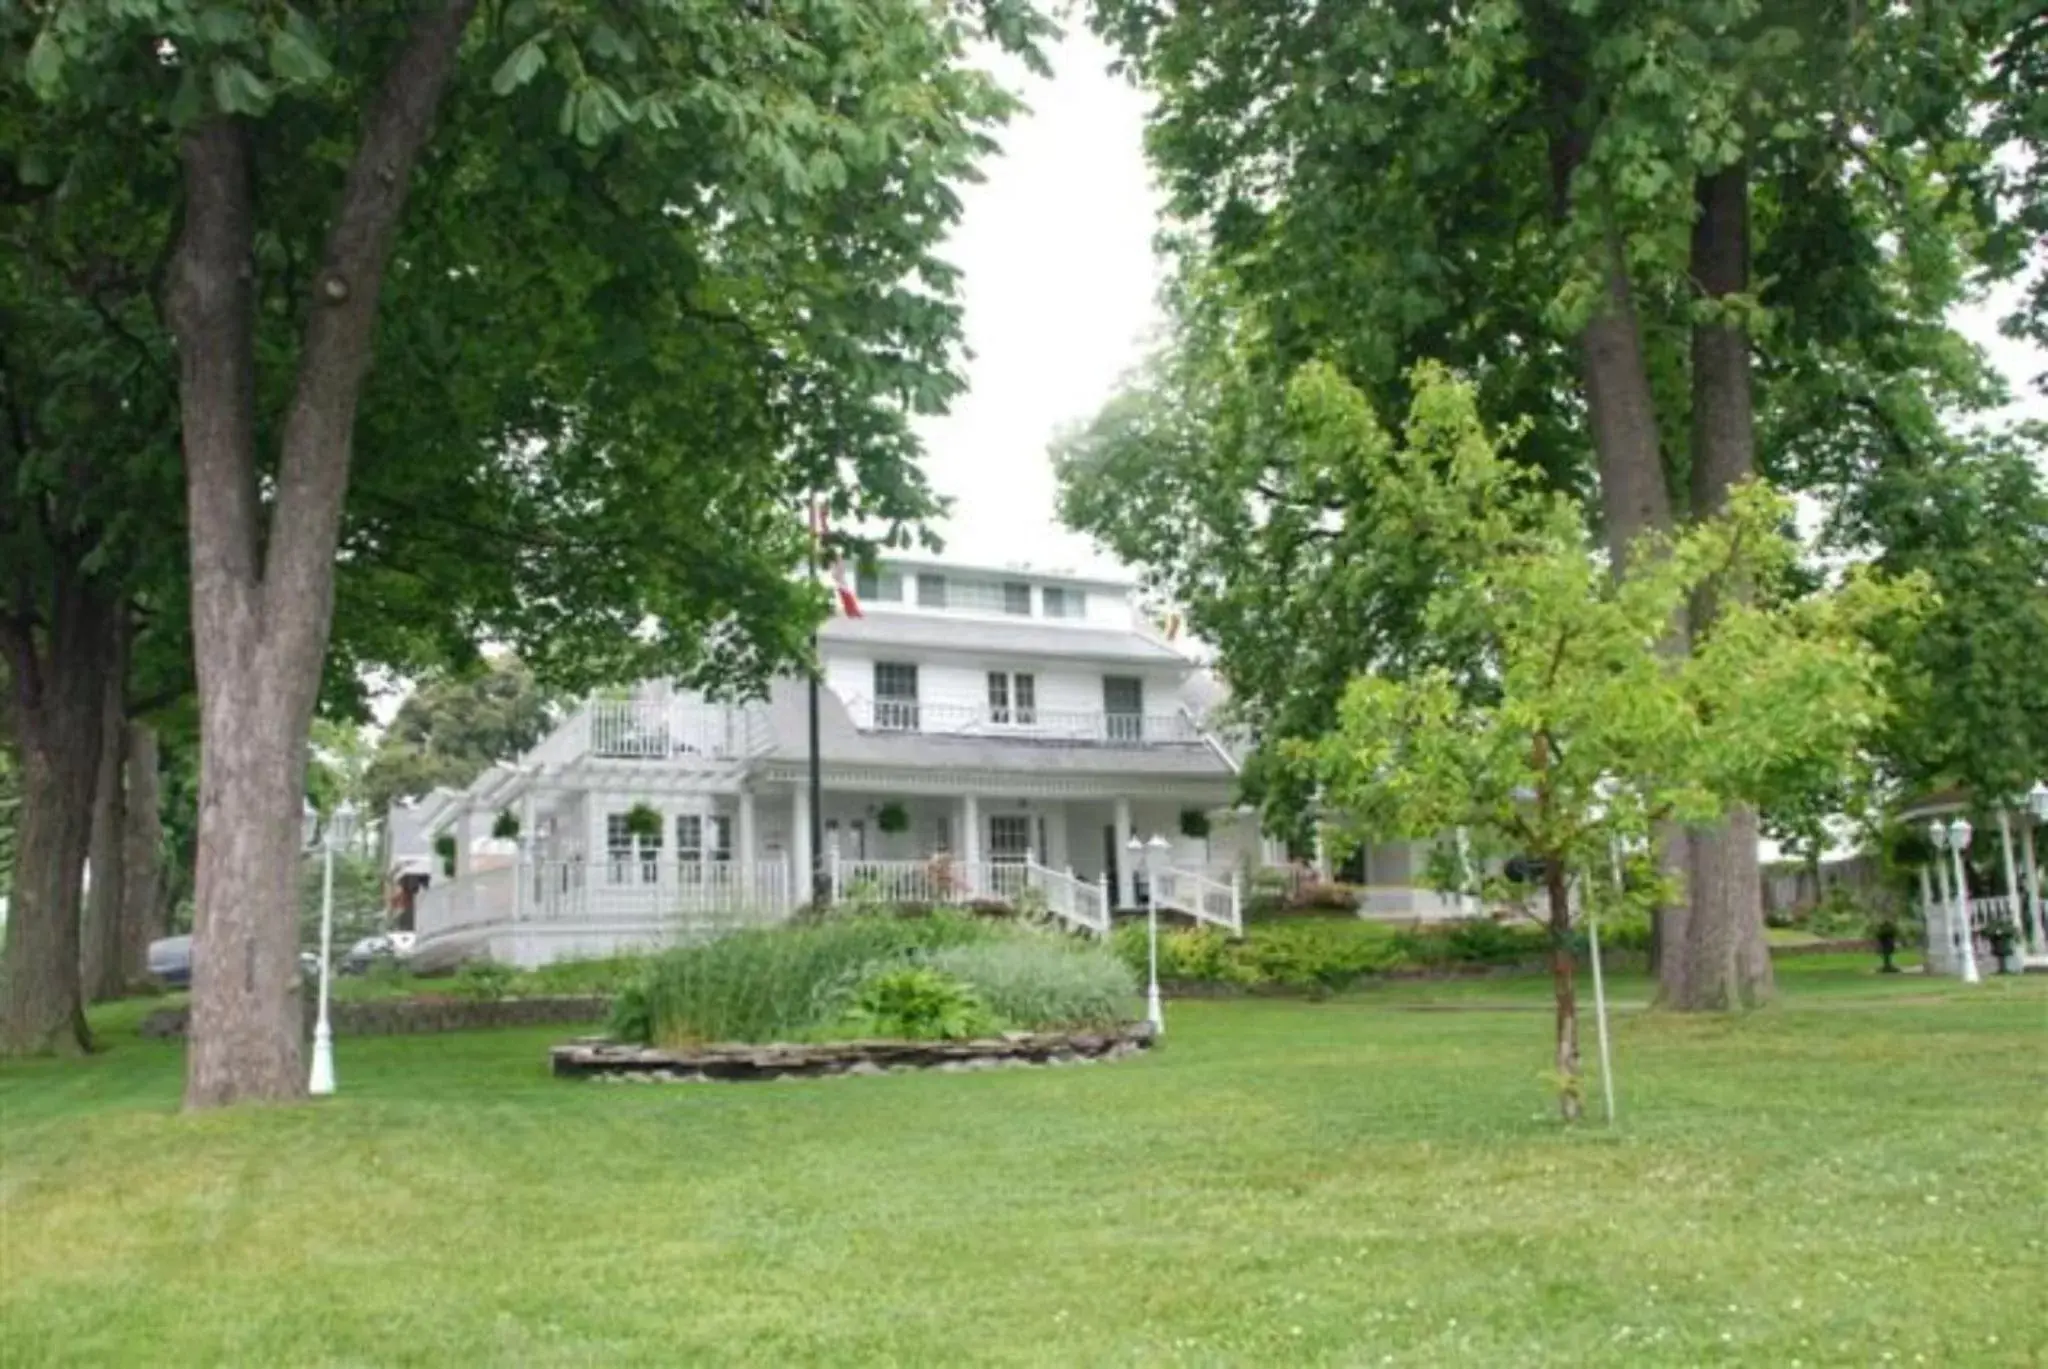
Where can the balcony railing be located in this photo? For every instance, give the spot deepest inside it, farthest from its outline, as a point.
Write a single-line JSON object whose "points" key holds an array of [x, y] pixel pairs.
{"points": [[658, 729], [1085, 728]]}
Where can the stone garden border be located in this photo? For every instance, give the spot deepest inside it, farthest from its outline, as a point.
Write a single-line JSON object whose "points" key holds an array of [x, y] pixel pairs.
{"points": [[612, 1062]]}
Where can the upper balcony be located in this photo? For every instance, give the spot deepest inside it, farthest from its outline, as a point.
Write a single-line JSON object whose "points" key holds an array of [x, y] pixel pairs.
{"points": [[1026, 724], [682, 729]]}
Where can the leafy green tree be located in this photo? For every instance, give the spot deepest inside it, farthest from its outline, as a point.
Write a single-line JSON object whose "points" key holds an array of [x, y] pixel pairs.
{"points": [[452, 727], [1666, 234], [1589, 735], [659, 273]]}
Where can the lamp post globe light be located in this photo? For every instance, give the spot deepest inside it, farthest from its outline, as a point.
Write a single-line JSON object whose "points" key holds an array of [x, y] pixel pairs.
{"points": [[1151, 856], [340, 824], [1954, 838]]}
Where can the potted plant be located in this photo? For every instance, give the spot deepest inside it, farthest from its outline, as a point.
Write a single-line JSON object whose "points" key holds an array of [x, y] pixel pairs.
{"points": [[2004, 939], [643, 822], [1194, 824], [506, 828], [892, 817], [444, 847]]}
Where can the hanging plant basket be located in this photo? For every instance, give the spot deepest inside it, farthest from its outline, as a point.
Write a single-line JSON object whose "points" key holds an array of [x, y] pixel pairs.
{"points": [[444, 847], [506, 828], [643, 821], [1194, 823], [892, 817]]}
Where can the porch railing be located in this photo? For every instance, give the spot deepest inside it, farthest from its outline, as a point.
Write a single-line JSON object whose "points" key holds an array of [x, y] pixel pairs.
{"points": [[1078, 728], [675, 893], [942, 880], [1202, 897]]}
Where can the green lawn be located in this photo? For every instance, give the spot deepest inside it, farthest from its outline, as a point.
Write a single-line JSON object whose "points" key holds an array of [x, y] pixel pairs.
{"points": [[1856, 1177]]}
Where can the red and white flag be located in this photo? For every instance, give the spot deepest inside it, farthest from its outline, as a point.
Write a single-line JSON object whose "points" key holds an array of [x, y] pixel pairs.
{"points": [[835, 566]]}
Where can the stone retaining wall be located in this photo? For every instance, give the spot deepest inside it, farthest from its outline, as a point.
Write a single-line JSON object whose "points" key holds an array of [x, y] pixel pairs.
{"points": [[406, 1016], [610, 1062]]}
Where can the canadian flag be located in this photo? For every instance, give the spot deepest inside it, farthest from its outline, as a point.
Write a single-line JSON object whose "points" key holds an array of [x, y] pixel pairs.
{"points": [[849, 602]]}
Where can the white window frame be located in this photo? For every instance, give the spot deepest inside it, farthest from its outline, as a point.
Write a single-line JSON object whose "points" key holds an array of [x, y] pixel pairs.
{"points": [[896, 712], [1015, 823], [1013, 698]]}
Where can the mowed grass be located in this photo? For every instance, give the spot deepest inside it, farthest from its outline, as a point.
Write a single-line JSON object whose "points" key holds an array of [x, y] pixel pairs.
{"points": [[1853, 1177]]}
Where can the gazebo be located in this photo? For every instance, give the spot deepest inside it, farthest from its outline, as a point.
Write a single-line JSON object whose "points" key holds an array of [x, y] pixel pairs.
{"points": [[1945, 893]]}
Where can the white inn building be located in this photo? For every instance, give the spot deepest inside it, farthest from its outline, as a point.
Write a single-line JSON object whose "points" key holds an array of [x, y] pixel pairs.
{"points": [[982, 732]]}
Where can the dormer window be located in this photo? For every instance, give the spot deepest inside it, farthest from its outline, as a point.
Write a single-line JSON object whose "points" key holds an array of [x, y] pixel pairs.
{"points": [[1017, 598], [931, 591], [879, 586], [1064, 603]]}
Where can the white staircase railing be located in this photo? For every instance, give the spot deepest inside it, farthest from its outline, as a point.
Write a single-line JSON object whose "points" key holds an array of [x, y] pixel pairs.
{"points": [[1202, 897], [1070, 898]]}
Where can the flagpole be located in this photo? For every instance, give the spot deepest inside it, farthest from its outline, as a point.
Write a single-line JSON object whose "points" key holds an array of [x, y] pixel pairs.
{"points": [[819, 890]]}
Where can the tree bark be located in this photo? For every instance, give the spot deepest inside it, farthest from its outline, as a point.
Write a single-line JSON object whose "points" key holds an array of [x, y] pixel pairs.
{"points": [[1723, 961], [1571, 1080], [263, 600], [142, 858], [55, 718], [100, 972]]}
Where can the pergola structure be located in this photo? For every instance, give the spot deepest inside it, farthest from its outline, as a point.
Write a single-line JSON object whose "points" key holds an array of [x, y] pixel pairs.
{"points": [[1945, 893]]}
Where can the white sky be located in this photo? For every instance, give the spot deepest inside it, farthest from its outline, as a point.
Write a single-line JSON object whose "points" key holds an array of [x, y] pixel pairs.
{"points": [[1060, 286]]}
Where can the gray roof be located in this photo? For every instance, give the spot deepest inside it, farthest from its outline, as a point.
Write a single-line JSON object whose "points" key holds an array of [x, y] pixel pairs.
{"points": [[841, 743], [995, 637]]}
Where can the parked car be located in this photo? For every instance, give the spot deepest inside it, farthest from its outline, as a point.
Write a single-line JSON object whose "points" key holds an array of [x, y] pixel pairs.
{"points": [[388, 948], [170, 960]]}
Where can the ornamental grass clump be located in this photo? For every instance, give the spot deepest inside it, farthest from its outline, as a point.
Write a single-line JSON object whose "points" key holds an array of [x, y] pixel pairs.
{"points": [[1042, 983]]}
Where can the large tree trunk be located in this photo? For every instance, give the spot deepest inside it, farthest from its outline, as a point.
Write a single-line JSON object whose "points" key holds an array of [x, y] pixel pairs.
{"points": [[142, 858], [1571, 1080], [101, 974], [1723, 961], [262, 603], [55, 718]]}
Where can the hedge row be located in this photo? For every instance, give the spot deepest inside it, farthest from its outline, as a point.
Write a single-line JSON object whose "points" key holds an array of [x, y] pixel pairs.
{"points": [[1335, 952]]}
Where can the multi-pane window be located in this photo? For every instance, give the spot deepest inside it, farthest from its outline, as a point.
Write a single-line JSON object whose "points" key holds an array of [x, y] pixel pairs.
{"points": [[879, 586], [626, 850], [1009, 837], [895, 696], [970, 594], [1065, 603], [1012, 698], [931, 591], [1017, 598], [703, 837], [1123, 707]]}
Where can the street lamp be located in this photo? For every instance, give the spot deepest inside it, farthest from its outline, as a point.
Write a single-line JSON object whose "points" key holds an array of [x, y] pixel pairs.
{"points": [[1954, 838], [1152, 856], [340, 824]]}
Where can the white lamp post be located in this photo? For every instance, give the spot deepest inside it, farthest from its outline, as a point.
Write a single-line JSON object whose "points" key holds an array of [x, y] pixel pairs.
{"points": [[1955, 839], [1151, 854], [320, 1082]]}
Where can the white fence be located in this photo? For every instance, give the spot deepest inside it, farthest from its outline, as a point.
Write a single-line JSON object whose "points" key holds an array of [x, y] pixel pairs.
{"points": [[658, 729]]}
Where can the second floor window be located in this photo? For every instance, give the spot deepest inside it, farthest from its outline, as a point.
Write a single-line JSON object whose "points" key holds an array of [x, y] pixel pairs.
{"points": [[931, 591], [879, 586], [1064, 603], [895, 696], [1012, 699]]}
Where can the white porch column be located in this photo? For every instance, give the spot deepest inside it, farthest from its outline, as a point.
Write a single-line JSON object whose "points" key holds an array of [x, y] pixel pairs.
{"points": [[2012, 877], [743, 841], [800, 845], [529, 855], [970, 840], [459, 829], [1322, 856], [1126, 867], [2039, 922], [1055, 854], [1941, 931]]}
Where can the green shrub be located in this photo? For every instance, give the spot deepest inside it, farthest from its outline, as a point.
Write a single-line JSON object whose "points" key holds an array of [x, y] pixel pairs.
{"points": [[1319, 953], [484, 981], [916, 1003], [608, 975], [1042, 983], [1328, 898], [772, 983]]}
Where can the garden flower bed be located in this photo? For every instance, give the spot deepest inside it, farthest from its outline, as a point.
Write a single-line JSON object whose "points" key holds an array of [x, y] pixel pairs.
{"points": [[609, 1061]]}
